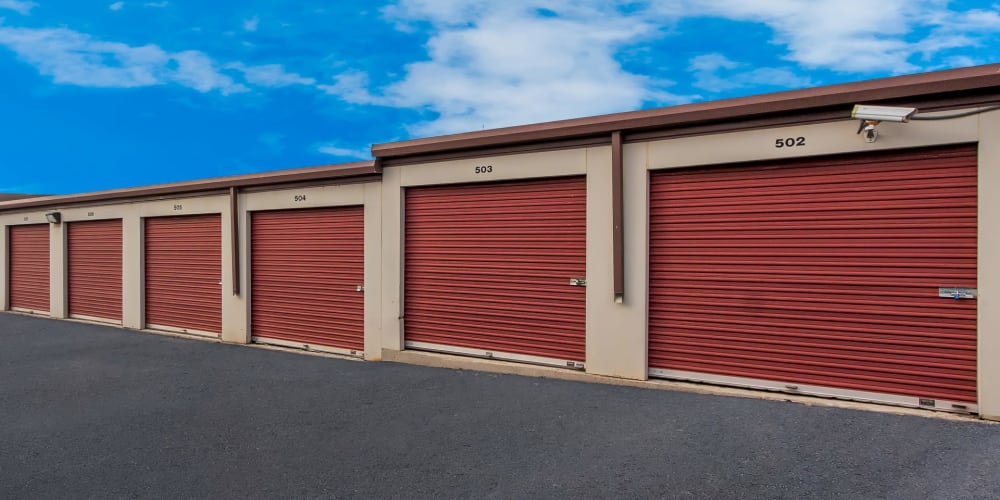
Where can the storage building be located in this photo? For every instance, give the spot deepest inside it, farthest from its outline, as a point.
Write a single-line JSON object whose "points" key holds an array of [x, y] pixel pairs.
{"points": [[771, 242]]}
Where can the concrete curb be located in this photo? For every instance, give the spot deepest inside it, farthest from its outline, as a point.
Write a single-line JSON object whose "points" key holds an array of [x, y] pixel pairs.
{"points": [[454, 362]]}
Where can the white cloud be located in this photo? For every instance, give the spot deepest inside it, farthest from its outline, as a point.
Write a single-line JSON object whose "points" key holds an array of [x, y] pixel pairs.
{"points": [[196, 70], [156, 5], [852, 35], [717, 73], [74, 58], [270, 75], [251, 24], [846, 35], [339, 151], [20, 6], [495, 64], [116, 6], [352, 86]]}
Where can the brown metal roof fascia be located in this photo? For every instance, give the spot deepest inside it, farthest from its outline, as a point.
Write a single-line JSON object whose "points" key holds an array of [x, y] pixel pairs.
{"points": [[789, 102], [219, 183], [12, 196]]}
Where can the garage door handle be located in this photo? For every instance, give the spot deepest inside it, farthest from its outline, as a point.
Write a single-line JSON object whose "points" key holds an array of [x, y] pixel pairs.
{"points": [[361, 288], [957, 293], [578, 281]]}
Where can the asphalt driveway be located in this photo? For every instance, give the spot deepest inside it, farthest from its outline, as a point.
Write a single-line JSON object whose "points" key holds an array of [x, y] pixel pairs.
{"points": [[99, 412]]}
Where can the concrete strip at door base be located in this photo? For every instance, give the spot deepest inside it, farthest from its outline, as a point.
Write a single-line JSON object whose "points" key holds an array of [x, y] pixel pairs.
{"points": [[438, 360], [308, 347], [505, 356], [186, 331], [30, 311], [819, 391], [95, 319]]}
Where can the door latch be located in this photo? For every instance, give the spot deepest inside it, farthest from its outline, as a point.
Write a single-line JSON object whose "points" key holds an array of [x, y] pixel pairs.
{"points": [[957, 293], [360, 288], [578, 281]]}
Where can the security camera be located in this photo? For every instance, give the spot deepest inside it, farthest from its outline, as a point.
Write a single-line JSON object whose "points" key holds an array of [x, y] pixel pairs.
{"points": [[882, 113], [869, 131]]}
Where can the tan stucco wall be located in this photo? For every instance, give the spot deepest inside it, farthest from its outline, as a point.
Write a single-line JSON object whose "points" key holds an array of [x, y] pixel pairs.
{"points": [[616, 333], [58, 279], [235, 308], [132, 268], [841, 137], [396, 179], [820, 139], [367, 195], [133, 263], [392, 270], [4, 266], [988, 280]]}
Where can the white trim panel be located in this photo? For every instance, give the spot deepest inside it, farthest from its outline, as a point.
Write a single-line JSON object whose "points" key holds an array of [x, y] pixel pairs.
{"points": [[505, 356], [814, 390]]}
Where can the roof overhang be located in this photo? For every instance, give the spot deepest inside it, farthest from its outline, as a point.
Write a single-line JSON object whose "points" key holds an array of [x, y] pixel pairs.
{"points": [[338, 172], [819, 103]]}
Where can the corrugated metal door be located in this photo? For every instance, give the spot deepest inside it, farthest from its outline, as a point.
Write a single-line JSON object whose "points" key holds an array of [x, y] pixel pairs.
{"points": [[28, 248], [95, 269], [488, 269], [306, 270], [184, 273], [819, 273]]}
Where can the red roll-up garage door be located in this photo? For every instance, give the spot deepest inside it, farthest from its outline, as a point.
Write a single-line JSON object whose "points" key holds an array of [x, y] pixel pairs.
{"points": [[95, 269], [306, 267], [488, 269], [183, 273], [819, 274], [29, 267]]}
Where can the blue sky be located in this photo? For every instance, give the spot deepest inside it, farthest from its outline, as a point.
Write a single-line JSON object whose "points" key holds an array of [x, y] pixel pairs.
{"points": [[107, 94]]}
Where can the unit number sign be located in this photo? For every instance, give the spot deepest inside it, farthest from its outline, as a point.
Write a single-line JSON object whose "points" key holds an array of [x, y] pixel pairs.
{"points": [[789, 142]]}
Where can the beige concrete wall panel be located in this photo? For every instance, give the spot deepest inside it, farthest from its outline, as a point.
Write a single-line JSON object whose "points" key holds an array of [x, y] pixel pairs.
{"points": [[184, 206], [13, 219], [103, 212], [133, 297], [804, 141], [4, 269], [392, 261], [495, 168], [305, 197], [616, 333], [988, 279], [234, 318], [373, 271], [58, 277]]}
